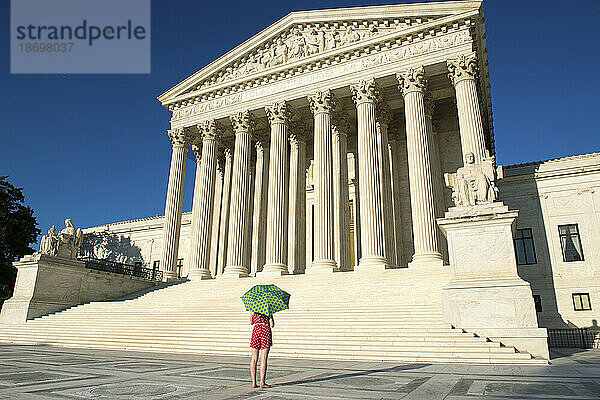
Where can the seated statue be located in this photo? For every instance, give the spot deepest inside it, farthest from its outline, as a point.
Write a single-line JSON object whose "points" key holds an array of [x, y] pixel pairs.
{"points": [[473, 183], [49, 243], [65, 244]]}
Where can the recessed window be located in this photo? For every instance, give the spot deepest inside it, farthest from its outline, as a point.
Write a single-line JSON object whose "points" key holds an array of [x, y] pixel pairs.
{"points": [[156, 265], [524, 248], [581, 302], [537, 300], [570, 242]]}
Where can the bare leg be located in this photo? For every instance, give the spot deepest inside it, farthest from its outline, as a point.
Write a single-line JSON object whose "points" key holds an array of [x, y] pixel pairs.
{"points": [[253, 362], [264, 353]]}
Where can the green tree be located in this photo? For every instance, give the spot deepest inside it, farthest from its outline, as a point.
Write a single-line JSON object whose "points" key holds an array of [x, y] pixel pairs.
{"points": [[18, 230]]}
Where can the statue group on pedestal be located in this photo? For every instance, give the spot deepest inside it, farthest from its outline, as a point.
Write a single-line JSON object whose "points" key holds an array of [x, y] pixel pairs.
{"points": [[474, 183], [65, 244]]}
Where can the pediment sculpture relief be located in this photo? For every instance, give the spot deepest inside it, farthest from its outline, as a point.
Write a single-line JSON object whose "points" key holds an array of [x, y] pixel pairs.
{"points": [[300, 42], [474, 183], [64, 244]]}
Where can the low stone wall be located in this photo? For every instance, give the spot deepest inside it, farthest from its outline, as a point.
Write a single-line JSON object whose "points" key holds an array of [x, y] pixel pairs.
{"points": [[46, 284]]}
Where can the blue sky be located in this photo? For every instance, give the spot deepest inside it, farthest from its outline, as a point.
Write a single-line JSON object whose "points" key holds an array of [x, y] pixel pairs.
{"points": [[94, 147]]}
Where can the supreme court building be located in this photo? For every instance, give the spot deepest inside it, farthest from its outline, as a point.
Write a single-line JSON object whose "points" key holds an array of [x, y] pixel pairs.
{"points": [[354, 147]]}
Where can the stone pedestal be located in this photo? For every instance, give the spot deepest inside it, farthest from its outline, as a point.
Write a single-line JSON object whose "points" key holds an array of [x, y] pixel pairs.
{"points": [[46, 284], [485, 295]]}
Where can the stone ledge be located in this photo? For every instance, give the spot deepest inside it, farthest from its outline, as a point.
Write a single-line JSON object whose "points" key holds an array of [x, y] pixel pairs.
{"points": [[47, 284]]}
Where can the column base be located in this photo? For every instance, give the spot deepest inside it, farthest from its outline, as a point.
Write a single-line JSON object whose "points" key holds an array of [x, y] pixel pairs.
{"points": [[199, 274], [372, 263], [322, 266], [170, 276], [274, 270], [234, 271], [430, 257]]}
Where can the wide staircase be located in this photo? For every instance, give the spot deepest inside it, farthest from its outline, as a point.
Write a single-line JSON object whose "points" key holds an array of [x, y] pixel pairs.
{"points": [[192, 318]]}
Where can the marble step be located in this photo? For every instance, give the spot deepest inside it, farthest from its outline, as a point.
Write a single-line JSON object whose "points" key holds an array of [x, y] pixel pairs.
{"points": [[287, 324], [415, 357], [244, 314], [243, 345], [199, 305], [211, 329], [382, 332], [281, 338], [245, 317], [298, 347], [285, 314]]}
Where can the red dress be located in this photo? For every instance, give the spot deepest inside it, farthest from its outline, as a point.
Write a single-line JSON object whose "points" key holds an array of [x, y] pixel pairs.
{"points": [[261, 332]]}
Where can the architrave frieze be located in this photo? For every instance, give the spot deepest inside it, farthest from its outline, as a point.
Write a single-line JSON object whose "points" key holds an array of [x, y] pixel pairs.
{"points": [[387, 60]]}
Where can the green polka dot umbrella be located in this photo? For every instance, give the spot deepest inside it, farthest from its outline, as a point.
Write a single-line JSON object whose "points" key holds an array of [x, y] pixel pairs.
{"points": [[266, 299]]}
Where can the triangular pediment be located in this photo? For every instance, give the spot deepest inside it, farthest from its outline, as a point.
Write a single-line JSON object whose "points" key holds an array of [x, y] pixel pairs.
{"points": [[308, 35]]}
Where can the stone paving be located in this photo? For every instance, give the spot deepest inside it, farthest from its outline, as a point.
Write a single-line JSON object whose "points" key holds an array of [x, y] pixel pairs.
{"points": [[44, 372]]}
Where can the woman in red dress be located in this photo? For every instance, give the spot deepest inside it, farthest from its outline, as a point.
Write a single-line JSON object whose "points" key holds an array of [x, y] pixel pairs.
{"points": [[261, 341]]}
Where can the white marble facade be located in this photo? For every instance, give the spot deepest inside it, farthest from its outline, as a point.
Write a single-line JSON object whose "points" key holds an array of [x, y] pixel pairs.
{"points": [[367, 107]]}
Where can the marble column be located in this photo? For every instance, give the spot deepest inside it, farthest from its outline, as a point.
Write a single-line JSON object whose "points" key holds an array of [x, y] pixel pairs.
{"points": [[353, 177], [412, 85], [297, 203], [216, 223], [224, 229], [310, 186], [250, 213], [239, 197], [436, 171], [260, 205], [322, 105], [463, 73], [384, 116], [202, 224], [395, 168], [341, 197], [277, 203], [366, 95], [192, 259], [180, 141]]}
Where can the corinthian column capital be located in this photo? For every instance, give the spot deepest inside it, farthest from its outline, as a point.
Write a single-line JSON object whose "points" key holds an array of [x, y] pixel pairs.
{"points": [[210, 130], [412, 80], [261, 140], [365, 91], [279, 113], [242, 122], [321, 102], [341, 123], [384, 113], [462, 67], [301, 130], [180, 137], [197, 146], [429, 103]]}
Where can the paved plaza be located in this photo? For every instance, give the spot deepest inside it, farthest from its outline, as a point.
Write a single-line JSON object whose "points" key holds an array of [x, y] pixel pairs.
{"points": [[44, 372]]}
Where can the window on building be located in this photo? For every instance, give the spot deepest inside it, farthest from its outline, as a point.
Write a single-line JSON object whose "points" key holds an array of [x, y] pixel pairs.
{"points": [[570, 242], [156, 265], [524, 248], [537, 300], [581, 302]]}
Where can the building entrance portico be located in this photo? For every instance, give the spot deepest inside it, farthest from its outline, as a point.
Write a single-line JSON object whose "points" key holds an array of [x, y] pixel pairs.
{"points": [[374, 88]]}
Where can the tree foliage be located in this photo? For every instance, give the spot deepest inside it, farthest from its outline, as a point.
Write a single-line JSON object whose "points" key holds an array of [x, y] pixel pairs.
{"points": [[18, 230]]}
